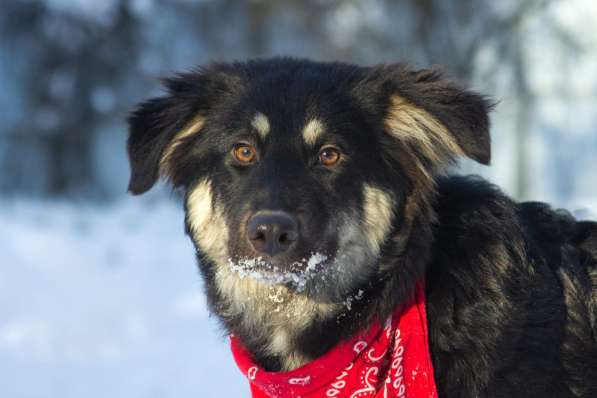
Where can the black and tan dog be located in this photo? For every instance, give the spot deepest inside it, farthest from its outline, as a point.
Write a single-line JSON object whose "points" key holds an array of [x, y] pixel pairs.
{"points": [[315, 197]]}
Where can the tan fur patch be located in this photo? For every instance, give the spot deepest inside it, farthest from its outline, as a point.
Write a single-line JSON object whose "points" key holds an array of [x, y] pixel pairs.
{"points": [[312, 131], [191, 128], [408, 122], [261, 123], [378, 214], [207, 223]]}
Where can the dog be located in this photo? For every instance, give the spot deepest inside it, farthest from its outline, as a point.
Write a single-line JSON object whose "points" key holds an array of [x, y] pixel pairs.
{"points": [[318, 198]]}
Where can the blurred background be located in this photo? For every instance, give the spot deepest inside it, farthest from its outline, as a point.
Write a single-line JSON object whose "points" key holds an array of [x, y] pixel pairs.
{"points": [[99, 294]]}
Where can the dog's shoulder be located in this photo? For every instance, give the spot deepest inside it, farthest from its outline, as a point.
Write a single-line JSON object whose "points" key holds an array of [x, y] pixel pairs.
{"points": [[472, 306], [473, 214]]}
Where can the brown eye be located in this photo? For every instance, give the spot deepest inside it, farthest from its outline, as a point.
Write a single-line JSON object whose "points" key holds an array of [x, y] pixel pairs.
{"points": [[329, 156], [245, 153]]}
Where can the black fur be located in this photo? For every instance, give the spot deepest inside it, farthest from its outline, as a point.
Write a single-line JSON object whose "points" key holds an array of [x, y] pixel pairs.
{"points": [[511, 287]]}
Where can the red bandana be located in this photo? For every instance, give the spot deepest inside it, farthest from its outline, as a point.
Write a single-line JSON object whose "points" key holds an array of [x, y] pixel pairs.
{"points": [[386, 361]]}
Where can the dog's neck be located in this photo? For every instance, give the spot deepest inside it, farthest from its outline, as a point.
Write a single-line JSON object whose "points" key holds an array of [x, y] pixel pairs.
{"points": [[281, 328], [284, 335]]}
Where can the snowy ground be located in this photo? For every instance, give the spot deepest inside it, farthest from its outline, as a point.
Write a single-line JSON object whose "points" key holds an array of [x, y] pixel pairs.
{"points": [[106, 302]]}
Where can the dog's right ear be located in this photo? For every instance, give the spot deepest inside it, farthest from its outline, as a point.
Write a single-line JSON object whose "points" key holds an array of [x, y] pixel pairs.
{"points": [[155, 128], [158, 126]]}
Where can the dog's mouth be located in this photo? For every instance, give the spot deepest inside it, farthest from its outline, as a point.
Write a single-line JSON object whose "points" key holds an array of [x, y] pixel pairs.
{"points": [[296, 274]]}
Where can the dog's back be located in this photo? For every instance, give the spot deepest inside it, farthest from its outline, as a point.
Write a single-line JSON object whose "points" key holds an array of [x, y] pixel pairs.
{"points": [[585, 239], [557, 232], [524, 275]]}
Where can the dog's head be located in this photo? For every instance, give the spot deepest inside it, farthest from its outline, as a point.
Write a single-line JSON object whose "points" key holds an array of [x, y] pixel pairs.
{"points": [[303, 174]]}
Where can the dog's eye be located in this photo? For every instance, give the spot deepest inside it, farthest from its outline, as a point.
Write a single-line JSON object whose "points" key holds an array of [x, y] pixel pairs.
{"points": [[244, 153], [329, 156]]}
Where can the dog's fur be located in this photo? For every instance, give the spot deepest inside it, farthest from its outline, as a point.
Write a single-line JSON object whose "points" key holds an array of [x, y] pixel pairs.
{"points": [[511, 287]]}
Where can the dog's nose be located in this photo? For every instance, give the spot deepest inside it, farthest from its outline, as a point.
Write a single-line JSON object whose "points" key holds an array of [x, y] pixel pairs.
{"points": [[272, 232]]}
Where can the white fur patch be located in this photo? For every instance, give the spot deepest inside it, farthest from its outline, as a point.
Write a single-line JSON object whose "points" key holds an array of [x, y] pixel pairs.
{"points": [[261, 123], [280, 341], [312, 131], [378, 214], [207, 223], [275, 313]]}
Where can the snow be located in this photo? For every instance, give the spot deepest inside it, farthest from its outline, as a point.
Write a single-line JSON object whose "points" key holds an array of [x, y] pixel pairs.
{"points": [[348, 302], [299, 273], [101, 301]]}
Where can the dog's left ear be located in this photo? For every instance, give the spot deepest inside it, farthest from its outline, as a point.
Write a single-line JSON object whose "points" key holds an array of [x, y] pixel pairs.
{"points": [[435, 117]]}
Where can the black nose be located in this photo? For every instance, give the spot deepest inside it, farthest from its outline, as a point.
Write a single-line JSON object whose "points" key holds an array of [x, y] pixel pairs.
{"points": [[272, 232]]}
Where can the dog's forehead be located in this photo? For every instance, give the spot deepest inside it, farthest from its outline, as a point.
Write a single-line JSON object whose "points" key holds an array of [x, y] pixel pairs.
{"points": [[310, 128], [300, 111]]}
